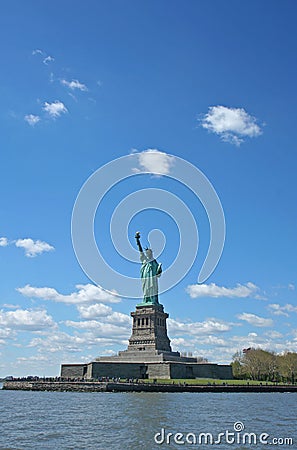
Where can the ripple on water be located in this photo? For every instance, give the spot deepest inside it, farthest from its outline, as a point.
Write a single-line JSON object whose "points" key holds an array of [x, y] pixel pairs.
{"points": [[108, 421]]}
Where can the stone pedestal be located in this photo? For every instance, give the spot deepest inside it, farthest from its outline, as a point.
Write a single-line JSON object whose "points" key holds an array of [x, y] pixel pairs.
{"points": [[149, 331], [148, 355]]}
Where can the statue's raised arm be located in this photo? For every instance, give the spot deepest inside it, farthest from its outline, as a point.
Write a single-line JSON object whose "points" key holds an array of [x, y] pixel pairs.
{"points": [[150, 271], [137, 237]]}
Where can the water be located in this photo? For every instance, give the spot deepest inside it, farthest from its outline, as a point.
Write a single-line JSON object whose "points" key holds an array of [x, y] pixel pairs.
{"points": [[120, 421]]}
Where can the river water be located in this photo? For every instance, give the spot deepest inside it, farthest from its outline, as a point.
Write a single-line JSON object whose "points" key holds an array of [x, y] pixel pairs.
{"points": [[120, 421]]}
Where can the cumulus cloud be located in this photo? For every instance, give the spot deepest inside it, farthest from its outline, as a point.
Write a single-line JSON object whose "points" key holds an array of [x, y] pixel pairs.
{"points": [[32, 119], [25, 319], [154, 162], [212, 290], [74, 84], [33, 248], [94, 311], [231, 124], [55, 109], [101, 329], [176, 328], [279, 310], [103, 312], [86, 293], [254, 320], [3, 242], [57, 341], [119, 318]]}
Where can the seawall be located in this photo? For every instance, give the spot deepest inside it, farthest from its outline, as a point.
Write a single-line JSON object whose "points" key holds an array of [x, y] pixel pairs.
{"points": [[60, 386], [81, 386]]}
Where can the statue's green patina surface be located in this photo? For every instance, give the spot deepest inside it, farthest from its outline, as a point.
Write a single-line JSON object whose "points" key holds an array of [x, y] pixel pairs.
{"points": [[150, 271]]}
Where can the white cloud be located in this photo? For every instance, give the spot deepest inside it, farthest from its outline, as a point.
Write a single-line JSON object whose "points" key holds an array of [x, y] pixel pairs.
{"points": [[6, 332], [10, 306], [31, 119], [155, 162], [48, 59], [22, 359], [212, 290], [3, 242], [213, 340], [94, 311], [103, 312], [291, 286], [56, 341], [37, 51], [273, 334], [119, 318], [101, 329], [24, 319], [55, 109], [33, 248], [176, 328], [59, 341], [279, 310], [231, 124], [86, 293], [254, 320], [74, 84]]}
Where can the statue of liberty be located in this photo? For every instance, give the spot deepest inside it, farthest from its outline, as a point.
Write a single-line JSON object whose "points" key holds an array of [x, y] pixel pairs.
{"points": [[150, 271]]}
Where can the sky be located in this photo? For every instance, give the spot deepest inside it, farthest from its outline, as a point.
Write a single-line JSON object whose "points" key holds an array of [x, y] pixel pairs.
{"points": [[164, 86]]}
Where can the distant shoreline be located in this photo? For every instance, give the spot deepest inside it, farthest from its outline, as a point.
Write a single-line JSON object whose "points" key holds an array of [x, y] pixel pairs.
{"points": [[89, 386]]}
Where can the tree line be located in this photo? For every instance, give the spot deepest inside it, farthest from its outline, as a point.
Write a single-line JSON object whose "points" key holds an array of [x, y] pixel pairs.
{"points": [[262, 365]]}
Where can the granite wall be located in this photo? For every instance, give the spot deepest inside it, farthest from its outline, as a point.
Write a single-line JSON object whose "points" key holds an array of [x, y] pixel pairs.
{"points": [[160, 370]]}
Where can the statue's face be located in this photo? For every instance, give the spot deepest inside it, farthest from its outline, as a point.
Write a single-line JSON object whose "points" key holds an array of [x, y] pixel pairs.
{"points": [[149, 253]]}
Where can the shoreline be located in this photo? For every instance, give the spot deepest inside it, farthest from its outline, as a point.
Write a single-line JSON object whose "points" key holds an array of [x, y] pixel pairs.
{"points": [[90, 386]]}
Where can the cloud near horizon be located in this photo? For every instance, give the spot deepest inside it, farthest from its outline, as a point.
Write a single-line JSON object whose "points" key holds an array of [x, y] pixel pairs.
{"points": [[231, 124]]}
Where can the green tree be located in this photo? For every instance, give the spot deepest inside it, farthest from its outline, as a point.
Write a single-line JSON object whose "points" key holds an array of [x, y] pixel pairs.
{"points": [[263, 365], [237, 366], [288, 366]]}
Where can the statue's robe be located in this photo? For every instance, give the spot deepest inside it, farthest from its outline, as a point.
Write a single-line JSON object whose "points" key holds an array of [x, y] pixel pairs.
{"points": [[150, 271]]}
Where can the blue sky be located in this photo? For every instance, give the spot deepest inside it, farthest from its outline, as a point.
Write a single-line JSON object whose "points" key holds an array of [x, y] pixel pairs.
{"points": [[213, 83]]}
